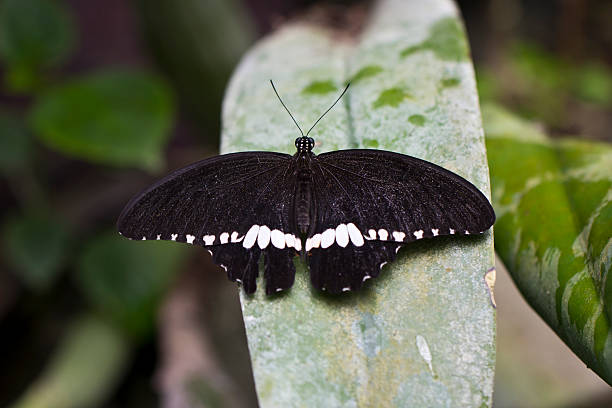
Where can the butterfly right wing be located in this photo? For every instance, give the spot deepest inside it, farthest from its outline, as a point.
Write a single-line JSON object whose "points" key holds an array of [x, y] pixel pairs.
{"points": [[236, 206], [370, 202]]}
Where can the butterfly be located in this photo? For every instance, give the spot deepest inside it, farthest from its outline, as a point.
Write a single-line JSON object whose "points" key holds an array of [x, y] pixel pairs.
{"points": [[346, 212]]}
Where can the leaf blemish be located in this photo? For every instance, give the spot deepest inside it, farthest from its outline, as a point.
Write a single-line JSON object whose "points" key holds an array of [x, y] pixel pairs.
{"points": [[450, 82], [366, 72], [371, 143], [424, 351], [417, 120], [446, 40], [369, 336], [320, 87], [391, 97]]}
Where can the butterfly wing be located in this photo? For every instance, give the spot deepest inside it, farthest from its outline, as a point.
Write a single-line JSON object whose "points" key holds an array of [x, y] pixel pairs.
{"points": [[236, 206], [369, 202]]}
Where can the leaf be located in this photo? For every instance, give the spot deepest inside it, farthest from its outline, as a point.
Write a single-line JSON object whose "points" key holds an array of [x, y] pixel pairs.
{"points": [[15, 144], [423, 333], [34, 35], [554, 206], [36, 245], [125, 280], [84, 371], [120, 118]]}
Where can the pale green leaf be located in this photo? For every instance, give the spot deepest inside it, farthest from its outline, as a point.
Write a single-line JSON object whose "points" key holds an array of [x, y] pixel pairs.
{"points": [[423, 333]]}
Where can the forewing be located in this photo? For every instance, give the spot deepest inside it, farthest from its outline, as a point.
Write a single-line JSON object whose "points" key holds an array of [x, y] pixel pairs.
{"points": [[236, 205], [381, 200]]}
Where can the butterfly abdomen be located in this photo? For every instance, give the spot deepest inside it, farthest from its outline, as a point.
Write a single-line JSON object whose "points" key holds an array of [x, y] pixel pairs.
{"points": [[303, 205]]}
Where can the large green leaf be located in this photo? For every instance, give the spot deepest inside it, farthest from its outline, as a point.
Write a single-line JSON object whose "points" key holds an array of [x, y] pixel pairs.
{"points": [[34, 34], [423, 333], [554, 229], [125, 280], [120, 118]]}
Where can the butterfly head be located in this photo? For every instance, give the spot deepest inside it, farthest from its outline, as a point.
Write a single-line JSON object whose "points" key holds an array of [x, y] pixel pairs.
{"points": [[304, 144]]}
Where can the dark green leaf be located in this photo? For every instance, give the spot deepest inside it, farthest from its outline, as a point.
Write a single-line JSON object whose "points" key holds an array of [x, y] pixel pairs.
{"points": [[15, 143], [119, 118], [34, 34], [125, 279], [554, 206], [36, 245]]}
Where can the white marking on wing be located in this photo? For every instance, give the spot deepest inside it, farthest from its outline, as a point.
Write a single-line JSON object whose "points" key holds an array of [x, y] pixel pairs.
{"points": [[342, 236], [190, 238], [263, 237], [355, 234], [399, 236], [327, 238], [278, 239], [346, 289], [418, 234], [371, 235], [383, 234], [313, 242], [435, 232], [452, 231], [224, 238], [235, 238], [158, 237], [290, 240], [173, 237], [208, 239], [298, 244], [365, 278], [250, 237]]}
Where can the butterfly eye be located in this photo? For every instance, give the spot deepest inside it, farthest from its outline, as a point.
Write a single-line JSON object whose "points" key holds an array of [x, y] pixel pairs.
{"points": [[311, 142], [297, 143]]}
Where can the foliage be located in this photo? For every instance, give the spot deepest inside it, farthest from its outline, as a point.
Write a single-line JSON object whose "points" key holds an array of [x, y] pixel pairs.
{"points": [[114, 117], [37, 245], [553, 201], [83, 371], [34, 35], [124, 279]]}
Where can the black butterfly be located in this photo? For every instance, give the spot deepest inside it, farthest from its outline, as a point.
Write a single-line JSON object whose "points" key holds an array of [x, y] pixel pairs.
{"points": [[346, 212]]}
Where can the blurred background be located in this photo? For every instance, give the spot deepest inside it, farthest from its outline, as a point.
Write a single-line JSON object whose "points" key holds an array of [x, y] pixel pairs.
{"points": [[99, 98]]}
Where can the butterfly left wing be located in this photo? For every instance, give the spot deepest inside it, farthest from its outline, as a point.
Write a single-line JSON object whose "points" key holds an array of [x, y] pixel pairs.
{"points": [[369, 202], [235, 205]]}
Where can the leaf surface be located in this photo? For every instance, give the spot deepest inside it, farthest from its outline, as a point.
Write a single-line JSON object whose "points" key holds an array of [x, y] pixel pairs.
{"points": [[423, 333]]}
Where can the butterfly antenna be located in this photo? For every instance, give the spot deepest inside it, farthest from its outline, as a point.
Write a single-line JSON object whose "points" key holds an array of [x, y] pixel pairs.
{"points": [[333, 104], [284, 106]]}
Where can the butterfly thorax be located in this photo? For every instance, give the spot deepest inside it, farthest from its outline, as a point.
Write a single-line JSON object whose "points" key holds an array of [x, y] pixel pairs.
{"points": [[303, 204]]}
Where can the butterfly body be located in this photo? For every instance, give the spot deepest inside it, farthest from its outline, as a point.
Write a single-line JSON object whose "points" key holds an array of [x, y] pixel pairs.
{"points": [[304, 207]]}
